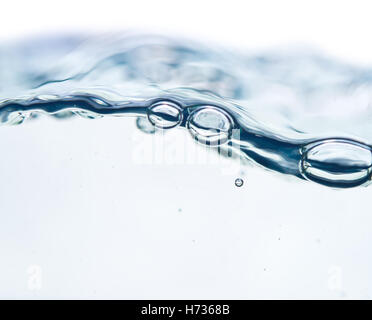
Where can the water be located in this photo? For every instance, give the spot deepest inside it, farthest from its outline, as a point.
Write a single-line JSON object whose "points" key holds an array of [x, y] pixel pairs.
{"points": [[295, 112]]}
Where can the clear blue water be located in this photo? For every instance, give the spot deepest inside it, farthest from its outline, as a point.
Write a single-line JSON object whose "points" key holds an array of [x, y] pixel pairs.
{"points": [[296, 112]]}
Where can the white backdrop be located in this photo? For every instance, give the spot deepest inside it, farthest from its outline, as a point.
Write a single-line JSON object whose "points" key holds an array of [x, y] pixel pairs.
{"points": [[339, 27]]}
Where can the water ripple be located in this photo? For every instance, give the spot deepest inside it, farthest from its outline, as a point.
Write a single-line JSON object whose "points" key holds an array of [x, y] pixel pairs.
{"points": [[295, 112]]}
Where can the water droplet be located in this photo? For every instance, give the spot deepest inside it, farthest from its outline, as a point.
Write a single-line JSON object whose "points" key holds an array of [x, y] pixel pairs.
{"points": [[145, 125], [165, 114], [210, 125], [337, 163], [239, 182]]}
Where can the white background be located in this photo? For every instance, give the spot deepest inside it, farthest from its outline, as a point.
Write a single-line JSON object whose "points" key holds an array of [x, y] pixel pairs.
{"points": [[339, 27], [81, 216]]}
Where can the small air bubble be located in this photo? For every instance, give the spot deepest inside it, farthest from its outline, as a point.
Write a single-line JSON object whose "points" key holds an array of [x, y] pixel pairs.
{"points": [[145, 125], [239, 182]]}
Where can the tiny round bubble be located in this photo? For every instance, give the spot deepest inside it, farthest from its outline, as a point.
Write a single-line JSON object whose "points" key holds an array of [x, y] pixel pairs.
{"points": [[239, 182]]}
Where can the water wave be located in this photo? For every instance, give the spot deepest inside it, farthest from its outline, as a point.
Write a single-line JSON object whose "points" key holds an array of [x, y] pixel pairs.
{"points": [[295, 112]]}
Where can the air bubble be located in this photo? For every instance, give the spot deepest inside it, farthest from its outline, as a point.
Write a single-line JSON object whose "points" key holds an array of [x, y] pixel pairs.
{"points": [[337, 163], [165, 114], [210, 125], [88, 114], [239, 182], [14, 118], [145, 125]]}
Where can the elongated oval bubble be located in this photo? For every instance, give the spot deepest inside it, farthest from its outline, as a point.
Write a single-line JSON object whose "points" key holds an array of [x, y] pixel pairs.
{"points": [[337, 163], [209, 125], [165, 114]]}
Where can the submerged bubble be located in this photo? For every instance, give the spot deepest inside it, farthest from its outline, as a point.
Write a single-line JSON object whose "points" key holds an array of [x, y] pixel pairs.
{"points": [[164, 114], [210, 125], [337, 163], [145, 125], [239, 182], [14, 118], [88, 114]]}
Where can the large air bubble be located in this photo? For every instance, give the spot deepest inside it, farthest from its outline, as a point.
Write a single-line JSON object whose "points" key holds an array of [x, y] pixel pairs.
{"points": [[337, 163], [210, 125], [165, 114]]}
